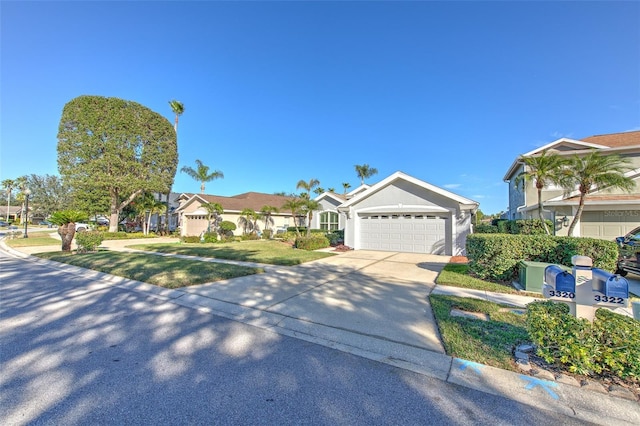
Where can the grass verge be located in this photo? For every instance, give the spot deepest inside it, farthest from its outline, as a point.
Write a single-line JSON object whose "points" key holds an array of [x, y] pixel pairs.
{"points": [[269, 252], [162, 271], [32, 241], [457, 275], [487, 342]]}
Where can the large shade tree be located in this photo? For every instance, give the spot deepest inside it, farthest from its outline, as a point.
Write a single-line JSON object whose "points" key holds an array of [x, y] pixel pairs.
{"points": [[116, 146], [201, 174], [593, 172], [542, 170]]}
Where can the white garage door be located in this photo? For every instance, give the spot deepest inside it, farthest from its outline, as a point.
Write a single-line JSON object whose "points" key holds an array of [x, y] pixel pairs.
{"points": [[406, 233], [608, 224]]}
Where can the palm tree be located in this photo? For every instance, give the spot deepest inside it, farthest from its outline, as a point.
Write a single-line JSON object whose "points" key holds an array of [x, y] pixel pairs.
{"points": [[308, 186], [542, 169], [319, 190], [214, 210], [596, 171], [266, 212], [156, 207], [294, 205], [8, 185], [178, 109], [247, 220], [345, 186], [308, 206], [365, 172], [201, 174]]}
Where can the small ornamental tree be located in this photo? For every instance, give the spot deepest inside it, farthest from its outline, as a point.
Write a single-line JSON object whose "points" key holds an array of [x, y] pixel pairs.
{"points": [[66, 221], [116, 147]]}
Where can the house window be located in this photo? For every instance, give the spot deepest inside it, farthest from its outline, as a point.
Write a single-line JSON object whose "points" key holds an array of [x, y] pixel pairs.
{"points": [[329, 221]]}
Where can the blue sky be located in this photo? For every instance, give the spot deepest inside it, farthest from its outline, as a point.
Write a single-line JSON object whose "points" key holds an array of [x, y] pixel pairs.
{"points": [[275, 92]]}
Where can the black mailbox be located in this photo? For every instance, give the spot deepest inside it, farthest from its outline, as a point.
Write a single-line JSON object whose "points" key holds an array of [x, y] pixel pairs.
{"points": [[609, 284]]}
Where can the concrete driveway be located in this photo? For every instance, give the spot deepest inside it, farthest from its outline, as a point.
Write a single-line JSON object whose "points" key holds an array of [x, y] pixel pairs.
{"points": [[372, 296]]}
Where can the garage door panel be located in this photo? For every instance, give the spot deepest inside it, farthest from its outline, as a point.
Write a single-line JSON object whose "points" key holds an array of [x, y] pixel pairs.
{"points": [[415, 234]]}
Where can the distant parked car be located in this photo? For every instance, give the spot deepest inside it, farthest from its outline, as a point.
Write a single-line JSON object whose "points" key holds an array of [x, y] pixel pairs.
{"points": [[3, 223], [46, 223], [81, 227], [629, 253]]}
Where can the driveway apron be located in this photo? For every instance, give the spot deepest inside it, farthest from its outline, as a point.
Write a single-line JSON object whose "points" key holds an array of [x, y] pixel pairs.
{"points": [[372, 294]]}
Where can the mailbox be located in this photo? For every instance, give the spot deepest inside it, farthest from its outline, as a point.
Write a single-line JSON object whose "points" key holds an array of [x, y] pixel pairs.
{"points": [[559, 278], [609, 284]]}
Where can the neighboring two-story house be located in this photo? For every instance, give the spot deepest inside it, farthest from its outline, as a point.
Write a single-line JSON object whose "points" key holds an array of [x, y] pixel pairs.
{"points": [[607, 213]]}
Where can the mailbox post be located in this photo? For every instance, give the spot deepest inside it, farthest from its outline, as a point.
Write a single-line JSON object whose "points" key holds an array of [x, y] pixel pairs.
{"points": [[586, 288]]}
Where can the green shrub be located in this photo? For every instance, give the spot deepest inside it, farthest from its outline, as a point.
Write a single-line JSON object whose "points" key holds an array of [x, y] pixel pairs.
{"points": [[88, 240], [619, 338], [226, 229], [190, 239], [287, 237], [336, 237], [250, 236], [496, 256], [312, 242], [210, 237], [267, 234], [611, 345]]}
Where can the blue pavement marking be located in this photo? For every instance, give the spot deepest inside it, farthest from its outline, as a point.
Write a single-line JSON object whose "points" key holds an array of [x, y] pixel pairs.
{"points": [[544, 384], [474, 365]]}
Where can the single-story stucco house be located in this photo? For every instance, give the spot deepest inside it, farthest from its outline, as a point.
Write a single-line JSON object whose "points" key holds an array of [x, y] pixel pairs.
{"points": [[399, 213], [192, 216]]}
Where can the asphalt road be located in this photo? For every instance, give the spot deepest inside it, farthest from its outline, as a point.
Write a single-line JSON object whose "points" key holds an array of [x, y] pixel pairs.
{"points": [[78, 351]]}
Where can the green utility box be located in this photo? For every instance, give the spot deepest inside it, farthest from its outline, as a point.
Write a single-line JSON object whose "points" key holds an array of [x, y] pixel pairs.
{"points": [[532, 275]]}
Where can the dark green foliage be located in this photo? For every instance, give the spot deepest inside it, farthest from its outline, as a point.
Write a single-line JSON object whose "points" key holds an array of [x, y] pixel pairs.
{"points": [[619, 338], [519, 226], [336, 237], [267, 234], [496, 256], [67, 216], [116, 147], [312, 242], [611, 345], [227, 227], [88, 240], [485, 229]]}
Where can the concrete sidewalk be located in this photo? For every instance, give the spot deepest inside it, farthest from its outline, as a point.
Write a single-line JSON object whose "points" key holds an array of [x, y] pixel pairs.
{"points": [[375, 305]]}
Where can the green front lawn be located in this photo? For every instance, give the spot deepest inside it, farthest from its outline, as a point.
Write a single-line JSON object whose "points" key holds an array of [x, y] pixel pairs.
{"points": [[162, 271], [32, 241], [269, 252], [487, 342]]}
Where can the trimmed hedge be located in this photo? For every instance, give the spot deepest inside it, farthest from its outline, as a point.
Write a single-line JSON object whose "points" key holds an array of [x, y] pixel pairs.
{"points": [[121, 235], [611, 345], [496, 256], [314, 241]]}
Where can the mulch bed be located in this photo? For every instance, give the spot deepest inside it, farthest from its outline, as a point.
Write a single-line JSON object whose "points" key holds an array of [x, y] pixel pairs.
{"points": [[459, 259]]}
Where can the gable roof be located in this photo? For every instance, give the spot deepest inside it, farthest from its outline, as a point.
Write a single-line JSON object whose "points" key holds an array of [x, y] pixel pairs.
{"points": [[466, 202], [247, 200], [338, 197]]}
